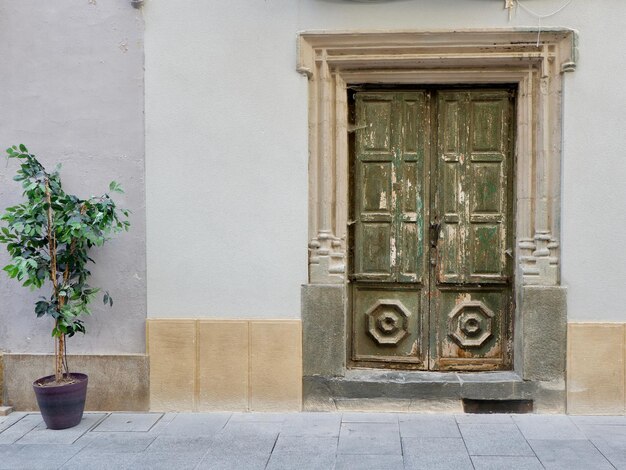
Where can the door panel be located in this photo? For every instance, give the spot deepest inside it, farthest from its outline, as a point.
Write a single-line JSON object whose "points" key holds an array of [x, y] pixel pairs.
{"points": [[432, 273], [388, 325], [475, 195], [471, 299], [470, 329], [389, 187]]}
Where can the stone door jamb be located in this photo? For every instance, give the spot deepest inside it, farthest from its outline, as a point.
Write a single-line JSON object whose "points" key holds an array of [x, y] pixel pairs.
{"points": [[533, 61]]}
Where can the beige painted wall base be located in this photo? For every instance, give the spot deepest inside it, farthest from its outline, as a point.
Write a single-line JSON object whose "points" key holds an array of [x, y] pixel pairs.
{"points": [[116, 382], [225, 365], [596, 361]]}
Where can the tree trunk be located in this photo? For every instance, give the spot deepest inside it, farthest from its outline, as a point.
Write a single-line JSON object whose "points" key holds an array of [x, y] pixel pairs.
{"points": [[59, 354]]}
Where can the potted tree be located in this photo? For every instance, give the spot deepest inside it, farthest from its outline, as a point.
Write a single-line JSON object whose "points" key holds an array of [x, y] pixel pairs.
{"points": [[48, 238]]}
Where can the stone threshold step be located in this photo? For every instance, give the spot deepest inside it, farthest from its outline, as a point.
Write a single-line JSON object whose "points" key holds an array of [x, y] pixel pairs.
{"points": [[365, 384]]}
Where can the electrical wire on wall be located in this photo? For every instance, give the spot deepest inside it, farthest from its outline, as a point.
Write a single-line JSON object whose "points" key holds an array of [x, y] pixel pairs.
{"points": [[514, 4]]}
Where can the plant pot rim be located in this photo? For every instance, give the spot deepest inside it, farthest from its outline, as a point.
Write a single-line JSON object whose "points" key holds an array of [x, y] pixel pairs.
{"points": [[79, 376]]}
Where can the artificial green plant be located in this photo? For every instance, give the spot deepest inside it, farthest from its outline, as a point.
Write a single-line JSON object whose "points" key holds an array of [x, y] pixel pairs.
{"points": [[48, 238]]}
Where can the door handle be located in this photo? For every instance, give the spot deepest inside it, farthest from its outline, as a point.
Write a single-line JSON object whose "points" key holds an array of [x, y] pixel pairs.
{"points": [[435, 227]]}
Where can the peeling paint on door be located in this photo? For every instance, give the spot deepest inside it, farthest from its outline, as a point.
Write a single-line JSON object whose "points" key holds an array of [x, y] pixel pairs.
{"points": [[457, 302]]}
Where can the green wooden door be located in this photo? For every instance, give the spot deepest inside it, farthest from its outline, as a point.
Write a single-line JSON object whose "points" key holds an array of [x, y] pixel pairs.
{"points": [[431, 269]]}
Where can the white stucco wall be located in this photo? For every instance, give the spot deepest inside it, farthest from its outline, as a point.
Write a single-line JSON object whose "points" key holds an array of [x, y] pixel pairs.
{"points": [[226, 143], [227, 159], [71, 90]]}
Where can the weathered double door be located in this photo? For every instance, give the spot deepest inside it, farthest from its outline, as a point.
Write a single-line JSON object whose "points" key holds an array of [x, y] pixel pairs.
{"points": [[432, 232]]}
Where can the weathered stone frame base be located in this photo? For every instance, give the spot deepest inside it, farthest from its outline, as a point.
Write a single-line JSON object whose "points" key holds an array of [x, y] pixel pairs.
{"points": [[539, 372], [334, 60], [116, 382]]}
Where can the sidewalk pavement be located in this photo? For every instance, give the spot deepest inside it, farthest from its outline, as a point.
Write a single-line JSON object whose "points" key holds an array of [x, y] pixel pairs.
{"points": [[315, 441]]}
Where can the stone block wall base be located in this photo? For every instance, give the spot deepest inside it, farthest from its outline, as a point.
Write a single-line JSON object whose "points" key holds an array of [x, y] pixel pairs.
{"points": [[541, 333], [116, 382], [596, 369], [323, 329], [225, 365], [5, 410], [550, 397]]}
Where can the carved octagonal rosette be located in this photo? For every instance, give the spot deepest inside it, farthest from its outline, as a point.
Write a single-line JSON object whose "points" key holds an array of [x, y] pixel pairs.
{"points": [[387, 322], [470, 324]]}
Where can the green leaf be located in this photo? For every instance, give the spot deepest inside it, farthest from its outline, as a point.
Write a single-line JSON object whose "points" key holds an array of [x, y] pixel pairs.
{"points": [[79, 223], [115, 187]]}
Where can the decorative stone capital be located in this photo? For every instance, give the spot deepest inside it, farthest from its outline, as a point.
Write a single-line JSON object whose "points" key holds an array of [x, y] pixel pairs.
{"points": [[541, 267], [327, 263]]}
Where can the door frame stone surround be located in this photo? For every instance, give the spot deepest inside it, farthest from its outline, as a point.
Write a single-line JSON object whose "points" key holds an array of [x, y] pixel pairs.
{"points": [[534, 62]]}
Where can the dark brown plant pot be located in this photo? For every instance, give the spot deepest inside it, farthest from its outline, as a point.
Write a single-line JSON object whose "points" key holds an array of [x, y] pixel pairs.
{"points": [[61, 405]]}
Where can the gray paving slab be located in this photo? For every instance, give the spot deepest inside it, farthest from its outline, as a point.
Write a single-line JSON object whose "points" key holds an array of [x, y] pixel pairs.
{"points": [[7, 450], [10, 420], [227, 461], [314, 417], [306, 444], [39, 456], [480, 418], [20, 428], [569, 455], [611, 420], [291, 461], [42, 435], [369, 428], [362, 444], [372, 461], [614, 450], [435, 453], [164, 422], [369, 438], [601, 431], [429, 426], [494, 439], [312, 424], [99, 461], [163, 460], [495, 462], [195, 424], [244, 444], [547, 427], [258, 417], [315, 440], [110, 442], [252, 427], [370, 418], [169, 443], [128, 422]]}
